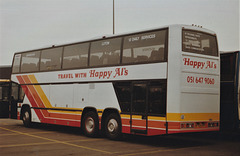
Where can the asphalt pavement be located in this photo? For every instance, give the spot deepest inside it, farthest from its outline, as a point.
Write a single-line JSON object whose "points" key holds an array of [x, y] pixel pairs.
{"points": [[43, 139]]}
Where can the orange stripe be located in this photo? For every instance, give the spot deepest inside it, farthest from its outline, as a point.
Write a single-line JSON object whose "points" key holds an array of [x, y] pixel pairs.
{"points": [[44, 98], [173, 125], [139, 122], [41, 93], [65, 116], [35, 95], [47, 104], [157, 124]]}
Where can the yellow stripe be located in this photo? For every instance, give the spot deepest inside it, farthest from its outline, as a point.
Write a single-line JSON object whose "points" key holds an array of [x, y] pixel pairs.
{"points": [[56, 141], [140, 117], [193, 116], [63, 111], [137, 116], [133, 116], [30, 144], [156, 118], [79, 109], [44, 143], [125, 116], [32, 78], [158, 151], [18, 134], [76, 110], [45, 100], [4, 80], [39, 90]]}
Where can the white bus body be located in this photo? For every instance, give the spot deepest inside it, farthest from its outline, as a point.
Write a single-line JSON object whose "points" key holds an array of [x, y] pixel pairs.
{"points": [[179, 92]]}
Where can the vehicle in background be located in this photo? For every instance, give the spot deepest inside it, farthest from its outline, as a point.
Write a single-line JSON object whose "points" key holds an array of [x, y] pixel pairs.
{"points": [[5, 85], [230, 104]]}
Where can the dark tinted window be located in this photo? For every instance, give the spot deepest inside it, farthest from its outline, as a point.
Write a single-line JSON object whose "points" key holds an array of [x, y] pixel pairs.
{"points": [[75, 56], [15, 91], [123, 91], [4, 91], [105, 52], [30, 61], [139, 98], [16, 63], [146, 47], [51, 59], [157, 97], [199, 42], [142, 97]]}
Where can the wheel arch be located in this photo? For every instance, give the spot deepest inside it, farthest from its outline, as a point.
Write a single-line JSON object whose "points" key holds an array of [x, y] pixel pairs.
{"points": [[88, 109], [24, 107], [107, 112]]}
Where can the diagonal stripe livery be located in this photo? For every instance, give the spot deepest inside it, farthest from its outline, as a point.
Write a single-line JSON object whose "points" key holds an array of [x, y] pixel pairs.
{"points": [[46, 113], [38, 99]]}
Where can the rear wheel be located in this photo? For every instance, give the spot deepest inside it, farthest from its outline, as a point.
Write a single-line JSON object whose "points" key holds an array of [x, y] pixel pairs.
{"points": [[90, 124], [113, 127], [26, 118]]}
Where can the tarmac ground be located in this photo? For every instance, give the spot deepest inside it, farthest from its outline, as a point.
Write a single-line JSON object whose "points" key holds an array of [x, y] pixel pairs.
{"points": [[43, 139]]}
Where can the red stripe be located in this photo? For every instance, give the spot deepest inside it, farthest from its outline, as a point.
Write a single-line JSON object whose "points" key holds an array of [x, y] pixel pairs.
{"points": [[30, 98], [35, 101], [65, 116], [35, 96], [192, 130], [154, 127], [40, 104]]}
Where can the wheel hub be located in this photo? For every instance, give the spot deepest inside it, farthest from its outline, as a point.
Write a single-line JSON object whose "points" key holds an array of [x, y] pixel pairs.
{"points": [[26, 116], [89, 124], [112, 125]]}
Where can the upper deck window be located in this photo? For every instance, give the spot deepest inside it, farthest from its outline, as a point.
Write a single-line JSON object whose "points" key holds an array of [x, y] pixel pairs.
{"points": [[30, 61], [51, 59], [146, 47], [16, 63], [105, 52], [199, 43], [75, 56]]}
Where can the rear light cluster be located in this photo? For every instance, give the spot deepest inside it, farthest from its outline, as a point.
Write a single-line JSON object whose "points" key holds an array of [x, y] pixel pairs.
{"points": [[213, 124], [199, 124], [187, 125]]}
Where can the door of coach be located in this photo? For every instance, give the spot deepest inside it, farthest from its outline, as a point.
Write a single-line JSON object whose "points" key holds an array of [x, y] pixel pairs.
{"points": [[148, 101], [139, 107]]}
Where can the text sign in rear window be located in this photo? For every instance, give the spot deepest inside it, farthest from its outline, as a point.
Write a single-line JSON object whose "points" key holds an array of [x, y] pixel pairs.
{"points": [[200, 43], [192, 41]]}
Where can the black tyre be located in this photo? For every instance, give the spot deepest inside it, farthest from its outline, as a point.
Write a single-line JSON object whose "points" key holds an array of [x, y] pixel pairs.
{"points": [[90, 124], [26, 117], [113, 127]]}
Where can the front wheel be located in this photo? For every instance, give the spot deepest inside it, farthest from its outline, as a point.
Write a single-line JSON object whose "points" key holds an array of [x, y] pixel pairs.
{"points": [[90, 124], [113, 128], [26, 117]]}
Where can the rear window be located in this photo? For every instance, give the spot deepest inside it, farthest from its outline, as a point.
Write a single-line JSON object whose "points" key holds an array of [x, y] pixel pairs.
{"points": [[199, 43]]}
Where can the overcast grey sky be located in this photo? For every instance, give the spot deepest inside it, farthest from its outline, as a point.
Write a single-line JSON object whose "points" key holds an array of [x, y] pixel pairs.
{"points": [[32, 24]]}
